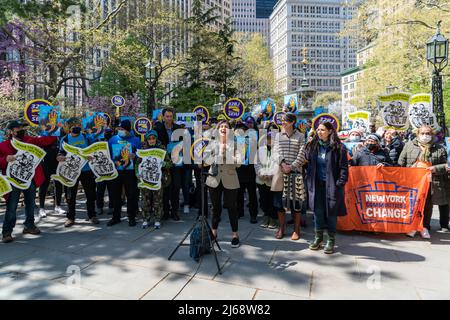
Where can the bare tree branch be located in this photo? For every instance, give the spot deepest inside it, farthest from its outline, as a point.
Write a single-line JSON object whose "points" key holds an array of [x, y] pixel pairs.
{"points": [[111, 15], [411, 22]]}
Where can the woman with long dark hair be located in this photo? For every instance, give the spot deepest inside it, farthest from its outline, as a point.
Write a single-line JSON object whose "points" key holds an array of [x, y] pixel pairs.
{"points": [[223, 179], [326, 177]]}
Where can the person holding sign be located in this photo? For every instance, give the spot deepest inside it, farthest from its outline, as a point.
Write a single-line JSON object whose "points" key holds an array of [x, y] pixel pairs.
{"points": [[80, 140], [326, 176], [123, 148], [422, 152], [7, 155], [153, 199]]}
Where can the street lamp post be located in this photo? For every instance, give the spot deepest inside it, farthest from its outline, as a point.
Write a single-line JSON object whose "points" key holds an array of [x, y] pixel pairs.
{"points": [[437, 55], [150, 77]]}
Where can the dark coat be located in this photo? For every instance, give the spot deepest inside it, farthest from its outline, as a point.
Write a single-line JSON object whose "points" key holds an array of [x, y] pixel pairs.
{"points": [[440, 186], [337, 176], [364, 157], [162, 132], [395, 148]]}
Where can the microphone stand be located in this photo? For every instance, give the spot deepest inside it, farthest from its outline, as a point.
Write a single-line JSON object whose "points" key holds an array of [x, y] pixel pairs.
{"points": [[201, 219]]}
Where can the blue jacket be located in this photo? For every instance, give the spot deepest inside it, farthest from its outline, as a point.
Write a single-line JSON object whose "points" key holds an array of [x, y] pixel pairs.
{"points": [[134, 141]]}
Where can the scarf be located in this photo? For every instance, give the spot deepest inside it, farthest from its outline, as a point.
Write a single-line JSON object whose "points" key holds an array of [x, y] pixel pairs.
{"points": [[325, 144], [425, 150]]}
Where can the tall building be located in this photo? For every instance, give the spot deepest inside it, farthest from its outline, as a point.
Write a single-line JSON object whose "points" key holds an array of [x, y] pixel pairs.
{"points": [[315, 26], [252, 16]]}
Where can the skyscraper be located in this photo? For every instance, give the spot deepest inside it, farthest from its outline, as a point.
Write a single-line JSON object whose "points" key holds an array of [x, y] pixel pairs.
{"points": [[252, 16], [314, 25]]}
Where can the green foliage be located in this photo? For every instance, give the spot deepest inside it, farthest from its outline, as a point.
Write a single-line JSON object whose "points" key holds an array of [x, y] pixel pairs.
{"points": [[326, 98], [186, 99]]}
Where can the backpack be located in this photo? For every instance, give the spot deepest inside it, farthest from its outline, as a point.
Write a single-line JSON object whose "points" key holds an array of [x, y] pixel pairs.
{"points": [[197, 248]]}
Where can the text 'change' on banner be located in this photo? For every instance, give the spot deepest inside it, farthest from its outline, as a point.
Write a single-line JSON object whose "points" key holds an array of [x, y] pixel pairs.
{"points": [[387, 199]]}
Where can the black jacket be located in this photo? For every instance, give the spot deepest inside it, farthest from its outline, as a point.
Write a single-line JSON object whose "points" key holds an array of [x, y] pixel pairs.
{"points": [[366, 158], [395, 148], [162, 132]]}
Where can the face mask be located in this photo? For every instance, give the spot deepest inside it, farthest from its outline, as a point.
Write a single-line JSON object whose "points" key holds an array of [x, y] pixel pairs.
{"points": [[355, 138], [122, 133], [425, 138], [20, 134], [76, 130], [372, 146]]}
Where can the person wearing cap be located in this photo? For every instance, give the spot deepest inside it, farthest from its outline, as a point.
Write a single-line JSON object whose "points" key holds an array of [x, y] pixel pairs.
{"points": [[102, 186], [171, 194], [50, 164], [124, 139], [7, 155], [372, 154], [152, 208], [81, 140]]}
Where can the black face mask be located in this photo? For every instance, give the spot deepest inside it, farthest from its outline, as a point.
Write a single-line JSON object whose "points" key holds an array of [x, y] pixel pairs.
{"points": [[20, 134], [76, 130], [372, 146]]}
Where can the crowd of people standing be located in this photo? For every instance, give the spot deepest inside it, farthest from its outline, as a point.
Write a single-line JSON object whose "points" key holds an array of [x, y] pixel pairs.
{"points": [[307, 169]]}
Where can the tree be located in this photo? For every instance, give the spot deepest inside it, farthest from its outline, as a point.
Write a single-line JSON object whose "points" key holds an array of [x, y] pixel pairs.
{"points": [[186, 99], [53, 46], [326, 98], [255, 79], [398, 33], [10, 99], [151, 39]]}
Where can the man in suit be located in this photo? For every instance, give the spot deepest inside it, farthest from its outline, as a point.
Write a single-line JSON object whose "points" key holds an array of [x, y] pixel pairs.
{"points": [[171, 194]]}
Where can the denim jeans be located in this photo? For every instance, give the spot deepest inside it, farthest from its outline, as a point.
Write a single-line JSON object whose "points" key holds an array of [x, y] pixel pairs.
{"points": [[11, 208], [322, 220]]}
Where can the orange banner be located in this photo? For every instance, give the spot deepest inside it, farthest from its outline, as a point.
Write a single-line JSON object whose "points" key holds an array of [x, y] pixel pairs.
{"points": [[388, 199]]}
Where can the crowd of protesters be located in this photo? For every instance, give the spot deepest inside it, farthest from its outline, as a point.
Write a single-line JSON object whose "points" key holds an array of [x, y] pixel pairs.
{"points": [[307, 169]]}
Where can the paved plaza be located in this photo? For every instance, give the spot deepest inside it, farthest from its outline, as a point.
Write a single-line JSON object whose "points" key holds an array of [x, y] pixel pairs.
{"points": [[122, 262]]}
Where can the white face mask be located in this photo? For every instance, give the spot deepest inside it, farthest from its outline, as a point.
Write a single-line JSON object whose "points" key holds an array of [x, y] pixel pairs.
{"points": [[425, 138]]}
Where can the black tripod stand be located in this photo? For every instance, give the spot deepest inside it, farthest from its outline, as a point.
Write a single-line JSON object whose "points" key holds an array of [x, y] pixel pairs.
{"points": [[204, 224]]}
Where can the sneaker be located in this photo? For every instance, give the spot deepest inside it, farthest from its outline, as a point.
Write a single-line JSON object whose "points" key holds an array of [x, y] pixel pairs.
{"points": [[235, 243], [444, 230], [425, 234], [157, 225], [266, 222], [94, 220], [7, 238], [34, 231], [273, 224], [37, 219], [112, 222], [186, 209], [42, 213], [59, 210], [132, 222], [411, 234], [145, 225], [69, 223]]}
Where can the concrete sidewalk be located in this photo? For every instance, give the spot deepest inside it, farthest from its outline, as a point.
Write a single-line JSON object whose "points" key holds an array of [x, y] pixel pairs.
{"points": [[122, 262]]}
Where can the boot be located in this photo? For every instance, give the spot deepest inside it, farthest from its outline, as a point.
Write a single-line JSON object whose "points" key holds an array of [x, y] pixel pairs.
{"points": [[329, 247], [318, 239], [296, 234], [282, 222]]}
